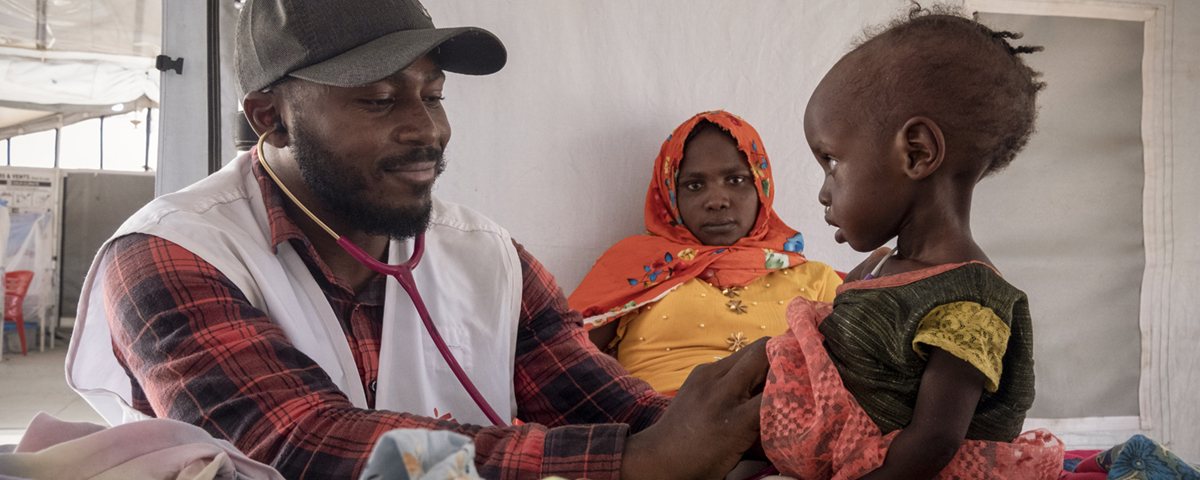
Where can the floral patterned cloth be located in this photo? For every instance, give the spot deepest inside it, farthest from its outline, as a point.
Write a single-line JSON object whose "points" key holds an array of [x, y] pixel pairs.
{"points": [[642, 268], [1140, 458]]}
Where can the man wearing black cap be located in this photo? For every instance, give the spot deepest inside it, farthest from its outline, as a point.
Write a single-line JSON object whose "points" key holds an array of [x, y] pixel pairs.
{"points": [[238, 304]]}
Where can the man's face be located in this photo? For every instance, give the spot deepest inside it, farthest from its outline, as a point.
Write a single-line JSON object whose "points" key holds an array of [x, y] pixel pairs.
{"points": [[370, 154]]}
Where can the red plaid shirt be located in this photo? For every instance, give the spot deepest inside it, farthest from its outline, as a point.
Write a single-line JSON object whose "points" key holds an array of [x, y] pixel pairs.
{"points": [[196, 350]]}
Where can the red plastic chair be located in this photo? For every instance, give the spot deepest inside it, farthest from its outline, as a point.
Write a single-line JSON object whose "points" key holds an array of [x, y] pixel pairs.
{"points": [[16, 284]]}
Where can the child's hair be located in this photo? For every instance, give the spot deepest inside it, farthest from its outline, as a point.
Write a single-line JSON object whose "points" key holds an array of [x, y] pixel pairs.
{"points": [[961, 74]]}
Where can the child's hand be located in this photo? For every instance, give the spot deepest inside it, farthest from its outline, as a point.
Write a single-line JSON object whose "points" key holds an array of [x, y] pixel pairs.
{"points": [[857, 273]]}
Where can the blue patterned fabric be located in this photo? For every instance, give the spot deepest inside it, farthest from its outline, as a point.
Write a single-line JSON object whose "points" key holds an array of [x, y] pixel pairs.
{"points": [[1143, 459], [413, 454]]}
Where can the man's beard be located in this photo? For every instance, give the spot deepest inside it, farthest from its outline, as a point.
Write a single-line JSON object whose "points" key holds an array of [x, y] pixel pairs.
{"points": [[341, 190]]}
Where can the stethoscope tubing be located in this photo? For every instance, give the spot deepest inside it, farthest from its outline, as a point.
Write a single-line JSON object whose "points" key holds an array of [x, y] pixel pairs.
{"points": [[403, 274]]}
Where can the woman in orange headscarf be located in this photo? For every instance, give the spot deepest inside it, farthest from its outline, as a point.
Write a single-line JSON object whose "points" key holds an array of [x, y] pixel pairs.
{"points": [[717, 267]]}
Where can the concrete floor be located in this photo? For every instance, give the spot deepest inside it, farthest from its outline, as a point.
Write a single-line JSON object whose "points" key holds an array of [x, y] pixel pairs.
{"points": [[36, 383]]}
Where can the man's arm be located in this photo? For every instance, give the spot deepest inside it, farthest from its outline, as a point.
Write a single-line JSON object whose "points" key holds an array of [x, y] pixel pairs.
{"points": [[202, 354]]}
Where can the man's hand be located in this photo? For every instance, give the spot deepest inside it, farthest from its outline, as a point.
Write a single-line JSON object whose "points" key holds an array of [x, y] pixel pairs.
{"points": [[711, 422]]}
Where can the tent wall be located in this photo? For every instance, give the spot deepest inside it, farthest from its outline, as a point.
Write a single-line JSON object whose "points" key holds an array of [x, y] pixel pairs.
{"points": [[1064, 221], [95, 204]]}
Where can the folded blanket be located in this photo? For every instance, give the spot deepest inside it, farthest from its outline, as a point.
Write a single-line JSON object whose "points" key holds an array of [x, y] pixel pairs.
{"points": [[150, 449]]}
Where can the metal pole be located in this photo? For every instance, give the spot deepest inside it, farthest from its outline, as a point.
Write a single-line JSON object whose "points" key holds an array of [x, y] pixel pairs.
{"points": [[40, 35], [57, 144], [101, 143], [8, 147], [214, 86], [146, 166]]}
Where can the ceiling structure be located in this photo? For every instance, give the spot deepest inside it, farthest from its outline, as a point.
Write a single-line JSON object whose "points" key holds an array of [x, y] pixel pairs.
{"points": [[63, 61]]}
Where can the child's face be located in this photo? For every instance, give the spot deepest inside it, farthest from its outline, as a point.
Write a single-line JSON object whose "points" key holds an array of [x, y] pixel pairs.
{"points": [[864, 183]]}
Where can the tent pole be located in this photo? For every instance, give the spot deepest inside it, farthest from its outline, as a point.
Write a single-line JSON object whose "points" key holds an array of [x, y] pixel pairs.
{"points": [[101, 143], [214, 86], [57, 144], [146, 166], [42, 42]]}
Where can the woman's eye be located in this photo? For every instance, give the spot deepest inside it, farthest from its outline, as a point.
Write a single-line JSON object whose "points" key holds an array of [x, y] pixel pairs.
{"points": [[693, 186], [737, 180], [435, 100]]}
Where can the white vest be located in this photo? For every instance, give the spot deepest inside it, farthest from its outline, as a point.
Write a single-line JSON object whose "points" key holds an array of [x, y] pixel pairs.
{"points": [[470, 277]]}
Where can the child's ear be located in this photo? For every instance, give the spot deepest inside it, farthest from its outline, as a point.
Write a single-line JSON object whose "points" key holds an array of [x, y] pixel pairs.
{"points": [[923, 146]]}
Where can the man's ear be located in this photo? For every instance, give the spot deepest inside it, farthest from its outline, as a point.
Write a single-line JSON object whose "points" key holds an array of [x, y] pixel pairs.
{"points": [[263, 112], [923, 146]]}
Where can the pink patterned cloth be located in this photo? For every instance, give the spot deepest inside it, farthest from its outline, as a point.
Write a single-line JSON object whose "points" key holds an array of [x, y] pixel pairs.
{"points": [[813, 428]]}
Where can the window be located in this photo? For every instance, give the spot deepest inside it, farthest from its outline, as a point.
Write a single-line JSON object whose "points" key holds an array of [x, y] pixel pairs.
{"points": [[79, 145], [112, 142], [33, 150], [125, 142]]}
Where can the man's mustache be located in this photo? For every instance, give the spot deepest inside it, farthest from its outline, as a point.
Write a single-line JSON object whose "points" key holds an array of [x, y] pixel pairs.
{"points": [[416, 155]]}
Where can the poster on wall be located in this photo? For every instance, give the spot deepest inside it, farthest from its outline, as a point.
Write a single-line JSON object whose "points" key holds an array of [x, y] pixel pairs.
{"points": [[32, 195]]}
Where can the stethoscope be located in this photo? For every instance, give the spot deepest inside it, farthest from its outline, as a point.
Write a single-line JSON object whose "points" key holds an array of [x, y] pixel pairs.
{"points": [[403, 274]]}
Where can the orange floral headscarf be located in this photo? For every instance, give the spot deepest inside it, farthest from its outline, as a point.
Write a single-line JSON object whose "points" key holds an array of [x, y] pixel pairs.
{"points": [[643, 268]]}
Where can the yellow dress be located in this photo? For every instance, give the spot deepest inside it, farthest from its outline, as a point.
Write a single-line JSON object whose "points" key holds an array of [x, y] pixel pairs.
{"points": [[699, 323]]}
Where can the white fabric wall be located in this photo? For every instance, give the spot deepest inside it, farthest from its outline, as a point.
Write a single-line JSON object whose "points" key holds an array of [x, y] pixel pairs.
{"points": [[1064, 221], [558, 146], [1178, 355]]}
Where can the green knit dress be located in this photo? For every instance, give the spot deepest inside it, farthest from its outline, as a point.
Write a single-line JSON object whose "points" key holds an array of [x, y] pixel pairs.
{"points": [[870, 338]]}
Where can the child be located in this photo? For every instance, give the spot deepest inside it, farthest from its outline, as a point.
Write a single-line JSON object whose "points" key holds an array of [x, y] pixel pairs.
{"points": [[924, 367]]}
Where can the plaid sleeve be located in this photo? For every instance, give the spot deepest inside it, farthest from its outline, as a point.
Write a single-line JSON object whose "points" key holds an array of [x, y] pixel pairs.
{"points": [[563, 380], [198, 352]]}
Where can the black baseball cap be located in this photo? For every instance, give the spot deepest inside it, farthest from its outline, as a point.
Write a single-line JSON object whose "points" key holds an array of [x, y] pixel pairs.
{"points": [[347, 43]]}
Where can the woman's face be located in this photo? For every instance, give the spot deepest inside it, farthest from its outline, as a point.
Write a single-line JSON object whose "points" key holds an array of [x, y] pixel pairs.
{"points": [[716, 194]]}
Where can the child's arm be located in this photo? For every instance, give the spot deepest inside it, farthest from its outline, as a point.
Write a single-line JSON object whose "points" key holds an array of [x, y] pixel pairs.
{"points": [[949, 392]]}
